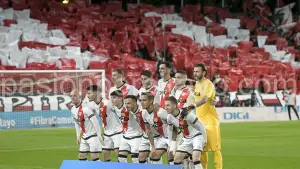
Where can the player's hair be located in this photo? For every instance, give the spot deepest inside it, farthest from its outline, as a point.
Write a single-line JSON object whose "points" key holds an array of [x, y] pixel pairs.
{"points": [[120, 71], [149, 95], [133, 97], [147, 73], [181, 72], [202, 66], [172, 99], [167, 63], [93, 88], [117, 93]]}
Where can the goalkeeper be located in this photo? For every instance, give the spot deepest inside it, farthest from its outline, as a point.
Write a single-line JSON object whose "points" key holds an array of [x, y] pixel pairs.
{"points": [[204, 97]]}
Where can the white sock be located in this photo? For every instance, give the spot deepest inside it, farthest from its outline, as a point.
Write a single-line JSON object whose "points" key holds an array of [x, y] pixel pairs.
{"points": [[122, 158], [171, 162], [135, 160], [198, 165], [148, 160], [191, 165], [185, 163], [156, 161]]}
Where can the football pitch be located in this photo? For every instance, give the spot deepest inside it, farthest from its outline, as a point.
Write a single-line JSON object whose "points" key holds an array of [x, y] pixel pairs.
{"points": [[268, 145]]}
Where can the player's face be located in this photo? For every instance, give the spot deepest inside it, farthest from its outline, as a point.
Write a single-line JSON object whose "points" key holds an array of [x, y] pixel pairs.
{"points": [[75, 97], [130, 104], [116, 77], [145, 102], [170, 107], [163, 70], [146, 81], [115, 100], [180, 79], [92, 96], [198, 73]]}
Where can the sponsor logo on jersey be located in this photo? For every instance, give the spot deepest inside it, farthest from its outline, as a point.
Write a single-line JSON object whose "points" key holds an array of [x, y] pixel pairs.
{"points": [[197, 93]]}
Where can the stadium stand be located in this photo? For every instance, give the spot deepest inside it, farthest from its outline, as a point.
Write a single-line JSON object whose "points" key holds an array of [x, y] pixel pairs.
{"points": [[53, 36]]}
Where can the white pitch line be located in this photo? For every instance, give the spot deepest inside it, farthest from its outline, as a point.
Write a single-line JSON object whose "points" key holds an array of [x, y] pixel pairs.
{"points": [[264, 136], [41, 148], [23, 167]]}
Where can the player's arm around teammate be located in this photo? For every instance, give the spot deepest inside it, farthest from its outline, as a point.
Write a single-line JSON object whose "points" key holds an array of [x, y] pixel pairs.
{"points": [[194, 135]]}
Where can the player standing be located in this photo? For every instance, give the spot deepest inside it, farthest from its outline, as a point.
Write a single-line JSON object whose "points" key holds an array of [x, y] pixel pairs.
{"points": [[87, 125], [156, 124], [119, 84], [193, 131], [110, 120], [165, 85], [147, 83], [204, 96], [133, 127], [183, 94]]}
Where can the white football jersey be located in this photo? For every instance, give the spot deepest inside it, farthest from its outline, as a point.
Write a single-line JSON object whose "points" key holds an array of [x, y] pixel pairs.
{"points": [[184, 96], [126, 88], [158, 122], [132, 123], [82, 116], [152, 89], [186, 124], [110, 120], [164, 90]]}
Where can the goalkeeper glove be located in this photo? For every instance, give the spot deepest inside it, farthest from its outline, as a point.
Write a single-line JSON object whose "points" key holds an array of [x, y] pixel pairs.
{"points": [[186, 110]]}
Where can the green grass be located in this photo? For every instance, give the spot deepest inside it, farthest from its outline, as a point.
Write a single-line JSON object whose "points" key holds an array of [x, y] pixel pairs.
{"points": [[272, 145]]}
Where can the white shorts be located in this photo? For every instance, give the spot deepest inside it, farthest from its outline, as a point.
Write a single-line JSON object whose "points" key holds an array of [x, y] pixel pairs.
{"points": [[112, 142], [90, 145], [188, 145], [131, 145], [160, 143]]}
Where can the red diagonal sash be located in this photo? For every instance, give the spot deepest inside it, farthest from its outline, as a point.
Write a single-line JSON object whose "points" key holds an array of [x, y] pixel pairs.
{"points": [[81, 119], [168, 88], [103, 113], [124, 91], [158, 124], [183, 97], [183, 126], [153, 91], [125, 117], [140, 120]]}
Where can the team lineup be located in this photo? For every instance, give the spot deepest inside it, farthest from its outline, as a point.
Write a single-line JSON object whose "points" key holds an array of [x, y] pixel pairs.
{"points": [[171, 118]]}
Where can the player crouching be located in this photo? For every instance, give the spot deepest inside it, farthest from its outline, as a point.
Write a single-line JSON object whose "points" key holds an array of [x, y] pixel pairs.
{"points": [[156, 129], [87, 125], [194, 134]]}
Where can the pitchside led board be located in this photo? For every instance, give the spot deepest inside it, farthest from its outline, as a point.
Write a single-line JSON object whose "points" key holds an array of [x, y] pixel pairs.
{"points": [[76, 164]]}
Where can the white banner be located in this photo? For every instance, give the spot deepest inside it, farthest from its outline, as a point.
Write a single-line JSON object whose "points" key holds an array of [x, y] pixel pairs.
{"points": [[254, 114]]}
